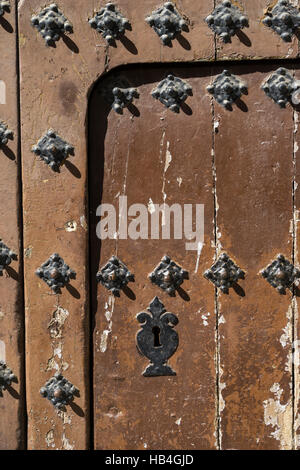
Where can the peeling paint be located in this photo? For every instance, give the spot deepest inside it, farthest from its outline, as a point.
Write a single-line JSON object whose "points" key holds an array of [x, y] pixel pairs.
{"points": [[151, 206], [216, 125], [222, 386], [66, 419], [2, 92], [50, 438], [2, 351], [55, 327], [57, 322], [83, 223], [66, 443], [179, 180], [168, 159], [199, 250], [51, 365], [28, 252], [280, 417], [71, 226], [178, 421], [109, 308], [205, 318]]}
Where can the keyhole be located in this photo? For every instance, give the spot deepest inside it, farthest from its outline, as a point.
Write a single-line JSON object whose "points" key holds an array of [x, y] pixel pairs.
{"points": [[156, 334]]}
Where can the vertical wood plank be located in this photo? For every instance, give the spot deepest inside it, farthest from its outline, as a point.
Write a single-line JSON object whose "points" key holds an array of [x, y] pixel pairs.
{"points": [[12, 404], [254, 175], [154, 157]]}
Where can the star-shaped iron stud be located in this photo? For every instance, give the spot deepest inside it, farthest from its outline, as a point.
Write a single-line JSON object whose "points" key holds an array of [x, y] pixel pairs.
{"points": [[123, 97], [114, 276], [280, 86], [226, 20], [53, 149], [110, 23], [4, 7], [7, 377], [168, 275], [172, 92], [167, 23], [224, 273], [281, 274], [5, 134], [6, 257], [284, 19], [56, 273], [51, 24], [59, 391], [227, 88]]}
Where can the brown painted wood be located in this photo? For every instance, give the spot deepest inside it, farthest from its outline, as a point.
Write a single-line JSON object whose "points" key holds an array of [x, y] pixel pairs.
{"points": [[254, 172], [12, 423], [153, 160], [56, 84]]}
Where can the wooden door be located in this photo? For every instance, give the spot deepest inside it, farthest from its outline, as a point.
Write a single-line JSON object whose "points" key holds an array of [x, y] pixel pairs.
{"points": [[234, 364], [236, 382]]}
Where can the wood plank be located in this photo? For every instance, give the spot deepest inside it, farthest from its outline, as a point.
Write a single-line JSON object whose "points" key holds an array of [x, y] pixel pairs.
{"points": [[156, 156], [254, 174], [12, 404]]}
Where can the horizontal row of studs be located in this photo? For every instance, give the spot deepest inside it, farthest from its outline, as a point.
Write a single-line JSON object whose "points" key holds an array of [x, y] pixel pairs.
{"points": [[226, 20], [172, 92], [168, 275]]}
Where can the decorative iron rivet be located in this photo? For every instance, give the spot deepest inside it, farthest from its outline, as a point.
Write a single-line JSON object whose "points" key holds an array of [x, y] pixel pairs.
{"points": [[6, 257], [56, 273], [224, 273], [4, 7], [157, 340], [51, 23], [59, 391], [110, 23], [53, 149], [114, 276], [280, 86], [168, 275], [167, 22], [227, 88], [6, 377], [226, 20], [281, 274], [123, 97], [284, 19], [172, 91], [5, 134]]}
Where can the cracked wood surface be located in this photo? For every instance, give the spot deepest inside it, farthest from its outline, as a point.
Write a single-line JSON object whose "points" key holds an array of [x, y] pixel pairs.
{"points": [[148, 163]]}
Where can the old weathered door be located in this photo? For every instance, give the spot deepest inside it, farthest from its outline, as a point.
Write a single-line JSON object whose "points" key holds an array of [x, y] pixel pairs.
{"points": [[233, 368], [236, 362]]}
